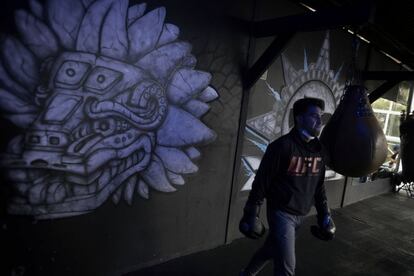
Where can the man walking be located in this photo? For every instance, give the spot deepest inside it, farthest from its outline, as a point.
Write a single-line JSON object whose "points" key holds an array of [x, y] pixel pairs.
{"points": [[291, 178]]}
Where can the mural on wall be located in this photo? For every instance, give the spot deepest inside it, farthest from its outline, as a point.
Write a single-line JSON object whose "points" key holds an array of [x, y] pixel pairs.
{"points": [[315, 80], [109, 103]]}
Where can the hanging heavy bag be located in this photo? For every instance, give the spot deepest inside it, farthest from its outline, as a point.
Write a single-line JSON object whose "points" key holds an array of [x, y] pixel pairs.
{"points": [[354, 140], [407, 149]]}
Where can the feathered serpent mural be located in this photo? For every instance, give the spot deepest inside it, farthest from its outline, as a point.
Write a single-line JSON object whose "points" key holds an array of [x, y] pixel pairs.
{"points": [[109, 101]]}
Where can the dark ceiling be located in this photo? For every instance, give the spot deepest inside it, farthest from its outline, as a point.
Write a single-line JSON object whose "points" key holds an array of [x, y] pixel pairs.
{"points": [[390, 29]]}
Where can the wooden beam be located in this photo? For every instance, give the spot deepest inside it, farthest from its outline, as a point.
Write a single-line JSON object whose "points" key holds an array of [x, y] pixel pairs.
{"points": [[266, 59], [331, 18]]}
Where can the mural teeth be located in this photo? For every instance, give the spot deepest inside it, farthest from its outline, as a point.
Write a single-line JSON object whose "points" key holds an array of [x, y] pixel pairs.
{"points": [[143, 189], [37, 193], [135, 158], [92, 188], [140, 155], [80, 190], [124, 164], [117, 195], [129, 161], [121, 166], [129, 189], [104, 179], [60, 193], [56, 192], [114, 170]]}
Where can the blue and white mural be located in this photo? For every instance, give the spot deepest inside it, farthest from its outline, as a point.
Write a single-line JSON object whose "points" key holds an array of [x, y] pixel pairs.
{"points": [[109, 101], [315, 80]]}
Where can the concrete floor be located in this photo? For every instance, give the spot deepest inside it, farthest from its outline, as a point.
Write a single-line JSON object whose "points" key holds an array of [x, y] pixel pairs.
{"points": [[375, 237]]}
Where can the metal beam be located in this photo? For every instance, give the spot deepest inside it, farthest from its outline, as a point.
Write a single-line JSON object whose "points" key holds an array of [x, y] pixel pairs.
{"points": [[410, 100], [266, 59], [286, 27], [387, 75], [331, 18], [392, 78], [381, 90]]}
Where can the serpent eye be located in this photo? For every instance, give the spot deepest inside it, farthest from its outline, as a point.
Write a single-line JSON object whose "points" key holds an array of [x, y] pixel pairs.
{"points": [[60, 108], [101, 79], [71, 73]]}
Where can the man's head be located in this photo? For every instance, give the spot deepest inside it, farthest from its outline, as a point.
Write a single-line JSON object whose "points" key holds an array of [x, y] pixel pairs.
{"points": [[307, 113]]}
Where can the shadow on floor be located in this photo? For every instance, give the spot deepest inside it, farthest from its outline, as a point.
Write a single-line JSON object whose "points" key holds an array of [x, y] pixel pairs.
{"points": [[375, 237]]}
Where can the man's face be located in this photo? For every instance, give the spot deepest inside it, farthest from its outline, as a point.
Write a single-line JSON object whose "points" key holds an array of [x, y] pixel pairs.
{"points": [[311, 120]]}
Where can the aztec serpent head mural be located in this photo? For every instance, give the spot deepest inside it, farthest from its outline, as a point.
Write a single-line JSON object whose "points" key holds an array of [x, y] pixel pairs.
{"points": [[315, 80], [109, 101]]}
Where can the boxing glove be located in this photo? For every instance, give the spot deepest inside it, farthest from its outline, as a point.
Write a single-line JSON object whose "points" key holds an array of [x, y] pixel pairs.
{"points": [[326, 228], [250, 224]]}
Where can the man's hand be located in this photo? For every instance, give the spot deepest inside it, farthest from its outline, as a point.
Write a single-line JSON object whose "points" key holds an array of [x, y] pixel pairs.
{"points": [[326, 228], [250, 224]]}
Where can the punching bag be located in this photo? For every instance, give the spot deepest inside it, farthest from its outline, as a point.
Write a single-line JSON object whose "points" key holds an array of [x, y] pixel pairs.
{"points": [[354, 140], [407, 148]]}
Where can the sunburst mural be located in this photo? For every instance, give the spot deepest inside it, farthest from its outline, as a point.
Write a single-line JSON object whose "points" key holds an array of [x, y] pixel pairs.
{"points": [[315, 80], [109, 101]]}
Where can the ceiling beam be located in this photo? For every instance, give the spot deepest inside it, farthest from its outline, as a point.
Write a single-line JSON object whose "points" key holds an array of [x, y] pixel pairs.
{"points": [[331, 18], [266, 59], [285, 28], [391, 78], [381, 90], [387, 75]]}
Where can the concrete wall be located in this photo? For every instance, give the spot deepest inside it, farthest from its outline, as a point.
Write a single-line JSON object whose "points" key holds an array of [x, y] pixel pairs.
{"points": [[116, 238], [357, 191]]}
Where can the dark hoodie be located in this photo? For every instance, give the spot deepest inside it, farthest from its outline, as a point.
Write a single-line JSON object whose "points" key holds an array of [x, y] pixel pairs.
{"points": [[291, 176]]}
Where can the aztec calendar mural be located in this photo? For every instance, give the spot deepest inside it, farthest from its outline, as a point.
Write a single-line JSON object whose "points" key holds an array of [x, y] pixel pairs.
{"points": [[109, 103], [315, 80]]}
